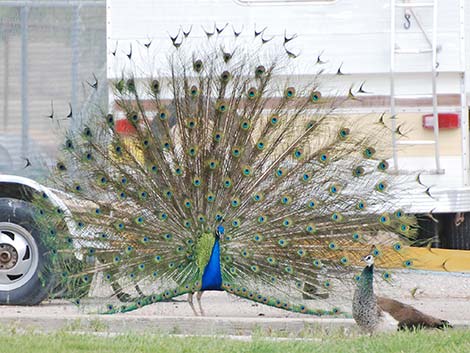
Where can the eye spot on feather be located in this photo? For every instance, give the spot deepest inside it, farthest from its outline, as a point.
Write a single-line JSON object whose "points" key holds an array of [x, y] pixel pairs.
{"points": [[361, 205], [260, 71], [218, 136], [384, 219], [397, 246], [301, 252], [289, 92], [324, 158], [315, 97], [383, 165], [235, 223], [168, 236], [369, 152], [262, 219], [287, 222], [387, 276], [286, 200], [245, 125], [274, 119], [333, 189], [311, 204], [255, 268], [358, 171], [212, 164], [222, 107], [298, 154], [332, 246], [258, 196], [336, 217], [356, 237], [157, 258], [227, 183], [398, 213], [357, 278], [201, 219], [282, 242], [260, 145], [408, 263], [252, 93], [236, 151], [225, 76], [279, 172], [317, 263], [258, 237], [69, 145], [191, 123], [87, 132], [343, 133], [310, 228], [194, 91], [210, 197], [344, 261], [381, 186], [289, 269], [247, 171], [61, 166], [376, 252], [235, 202], [197, 65], [197, 181], [327, 284]]}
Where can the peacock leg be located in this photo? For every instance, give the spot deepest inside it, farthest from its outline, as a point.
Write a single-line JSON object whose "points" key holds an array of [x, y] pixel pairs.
{"points": [[139, 291], [191, 304], [198, 297], [120, 294]]}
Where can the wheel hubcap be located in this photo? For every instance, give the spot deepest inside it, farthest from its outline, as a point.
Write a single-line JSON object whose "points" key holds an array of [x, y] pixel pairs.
{"points": [[8, 256], [18, 256]]}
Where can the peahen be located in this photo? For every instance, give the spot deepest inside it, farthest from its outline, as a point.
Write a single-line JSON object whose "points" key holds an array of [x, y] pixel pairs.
{"points": [[233, 174], [369, 310]]}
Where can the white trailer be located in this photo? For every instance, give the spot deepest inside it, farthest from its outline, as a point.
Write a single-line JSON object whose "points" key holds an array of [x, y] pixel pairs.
{"points": [[411, 55]]}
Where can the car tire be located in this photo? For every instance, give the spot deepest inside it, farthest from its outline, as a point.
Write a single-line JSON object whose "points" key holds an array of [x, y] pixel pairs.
{"points": [[23, 257]]}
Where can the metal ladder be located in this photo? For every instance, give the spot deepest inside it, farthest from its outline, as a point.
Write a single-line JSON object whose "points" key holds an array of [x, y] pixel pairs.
{"points": [[395, 51]]}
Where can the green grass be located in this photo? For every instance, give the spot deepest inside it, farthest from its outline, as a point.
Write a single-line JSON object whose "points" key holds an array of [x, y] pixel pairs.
{"points": [[454, 341]]}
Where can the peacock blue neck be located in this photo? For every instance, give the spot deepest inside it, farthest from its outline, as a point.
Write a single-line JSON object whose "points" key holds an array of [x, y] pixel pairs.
{"points": [[212, 276]]}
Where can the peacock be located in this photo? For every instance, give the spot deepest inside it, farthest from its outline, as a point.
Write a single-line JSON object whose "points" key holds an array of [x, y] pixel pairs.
{"points": [[220, 168]]}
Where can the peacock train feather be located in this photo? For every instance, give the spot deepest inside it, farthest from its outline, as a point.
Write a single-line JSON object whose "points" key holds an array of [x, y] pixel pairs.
{"points": [[230, 174]]}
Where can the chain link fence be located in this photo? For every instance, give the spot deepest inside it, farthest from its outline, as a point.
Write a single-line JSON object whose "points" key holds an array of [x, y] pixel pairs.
{"points": [[52, 71]]}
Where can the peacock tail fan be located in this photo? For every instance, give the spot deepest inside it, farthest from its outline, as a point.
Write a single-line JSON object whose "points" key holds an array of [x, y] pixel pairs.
{"points": [[227, 176]]}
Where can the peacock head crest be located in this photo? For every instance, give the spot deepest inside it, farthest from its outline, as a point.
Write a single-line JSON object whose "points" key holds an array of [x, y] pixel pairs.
{"points": [[369, 260], [219, 231]]}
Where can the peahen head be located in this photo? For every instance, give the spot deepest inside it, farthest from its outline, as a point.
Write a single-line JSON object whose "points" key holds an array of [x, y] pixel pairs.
{"points": [[369, 260]]}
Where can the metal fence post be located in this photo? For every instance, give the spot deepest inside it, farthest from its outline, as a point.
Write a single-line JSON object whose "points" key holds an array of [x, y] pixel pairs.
{"points": [[75, 42], [24, 14]]}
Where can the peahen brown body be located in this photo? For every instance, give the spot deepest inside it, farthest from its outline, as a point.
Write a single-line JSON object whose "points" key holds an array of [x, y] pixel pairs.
{"points": [[232, 175]]}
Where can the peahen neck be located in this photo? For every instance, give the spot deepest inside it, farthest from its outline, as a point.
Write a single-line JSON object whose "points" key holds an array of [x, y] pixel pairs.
{"points": [[365, 284], [212, 275]]}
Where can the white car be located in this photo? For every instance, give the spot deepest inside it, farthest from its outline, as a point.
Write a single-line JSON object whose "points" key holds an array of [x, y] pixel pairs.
{"points": [[22, 254]]}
